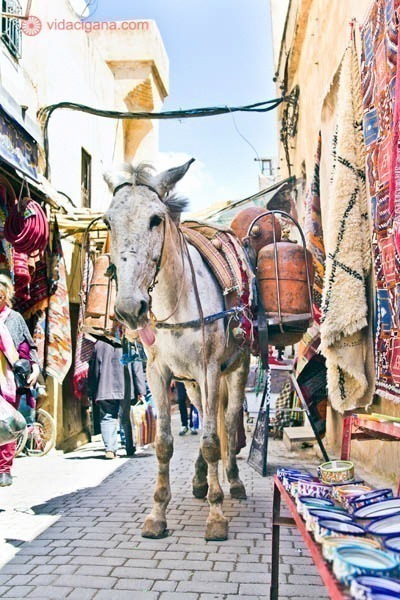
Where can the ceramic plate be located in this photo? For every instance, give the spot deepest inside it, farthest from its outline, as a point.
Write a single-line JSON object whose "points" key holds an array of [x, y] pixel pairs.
{"points": [[371, 496], [339, 527], [392, 543], [316, 502], [366, 558], [384, 508], [377, 584], [385, 525], [333, 513]]}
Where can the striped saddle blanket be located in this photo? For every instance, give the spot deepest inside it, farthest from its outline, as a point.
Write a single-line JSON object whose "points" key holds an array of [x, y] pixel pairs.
{"points": [[225, 256]]}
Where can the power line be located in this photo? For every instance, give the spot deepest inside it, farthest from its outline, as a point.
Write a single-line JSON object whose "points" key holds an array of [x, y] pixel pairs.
{"points": [[45, 113]]}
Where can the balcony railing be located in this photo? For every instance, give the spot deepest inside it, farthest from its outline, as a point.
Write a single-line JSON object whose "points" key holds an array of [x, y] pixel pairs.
{"points": [[11, 28]]}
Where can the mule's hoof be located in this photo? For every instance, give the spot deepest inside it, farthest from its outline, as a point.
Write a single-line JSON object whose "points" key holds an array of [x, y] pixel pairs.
{"points": [[238, 492], [200, 491], [217, 531], [154, 529]]}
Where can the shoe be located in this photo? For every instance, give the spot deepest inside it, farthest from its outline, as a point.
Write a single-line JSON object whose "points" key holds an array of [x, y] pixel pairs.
{"points": [[183, 431], [110, 455], [5, 479], [193, 431]]}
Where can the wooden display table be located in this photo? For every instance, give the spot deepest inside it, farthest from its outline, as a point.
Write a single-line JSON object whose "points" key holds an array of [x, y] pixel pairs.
{"points": [[335, 589], [357, 427]]}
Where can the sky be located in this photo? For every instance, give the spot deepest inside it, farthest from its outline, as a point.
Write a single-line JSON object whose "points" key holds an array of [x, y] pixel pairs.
{"points": [[220, 53]]}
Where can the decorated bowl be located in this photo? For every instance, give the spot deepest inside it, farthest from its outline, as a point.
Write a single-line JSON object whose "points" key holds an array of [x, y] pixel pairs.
{"points": [[314, 489], [336, 471], [332, 527], [392, 545], [383, 508], [344, 493], [335, 512], [289, 479], [369, 498], [306, 502], [282, 471], [385, 526], [366, 587], [350, 561], [329, 544]]}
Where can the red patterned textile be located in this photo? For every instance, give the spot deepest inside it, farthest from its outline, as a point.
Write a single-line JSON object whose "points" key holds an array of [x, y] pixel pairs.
{"points": [[380, 92]]}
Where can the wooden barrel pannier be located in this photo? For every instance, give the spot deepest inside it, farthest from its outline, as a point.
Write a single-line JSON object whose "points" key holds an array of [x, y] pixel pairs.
{"points": [[286, 291], [262, 232], [99, 313]]}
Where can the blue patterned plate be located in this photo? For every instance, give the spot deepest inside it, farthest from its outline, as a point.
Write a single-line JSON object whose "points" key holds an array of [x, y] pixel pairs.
{"points": [[370, 498], [366, 585], [385, 525], [383, 508]]}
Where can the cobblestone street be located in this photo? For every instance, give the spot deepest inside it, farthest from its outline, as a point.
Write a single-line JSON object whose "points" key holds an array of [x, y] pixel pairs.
{"points": [[70, 528]]}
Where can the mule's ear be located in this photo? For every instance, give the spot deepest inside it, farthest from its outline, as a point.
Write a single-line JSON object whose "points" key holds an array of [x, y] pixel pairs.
{"points": [[113, 180], [164, 182]]}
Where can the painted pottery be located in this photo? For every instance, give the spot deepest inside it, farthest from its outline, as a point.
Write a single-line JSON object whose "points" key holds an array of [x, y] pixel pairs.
{"points": [[306, 502], [385, 526], [336, 471], [313, 488], [350, 561], [343, 493], [330, 527], [369, 498], [392, 545], [383, 508], [335, 512], [329, 544], [365, 587]]}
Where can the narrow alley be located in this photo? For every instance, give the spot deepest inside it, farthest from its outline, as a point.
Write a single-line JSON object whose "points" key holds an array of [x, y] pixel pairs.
{"points": [[70, 528]]}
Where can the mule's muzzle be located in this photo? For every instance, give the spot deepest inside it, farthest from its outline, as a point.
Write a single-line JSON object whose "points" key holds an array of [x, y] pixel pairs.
{"points": [[133, 314]]}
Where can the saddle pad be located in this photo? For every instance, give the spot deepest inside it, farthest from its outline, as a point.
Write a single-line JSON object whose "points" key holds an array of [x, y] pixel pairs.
{"points": [[223, 253]]}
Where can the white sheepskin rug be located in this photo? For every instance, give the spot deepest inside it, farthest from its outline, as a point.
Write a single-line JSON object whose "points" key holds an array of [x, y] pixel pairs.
{"points": [[344, 331]]}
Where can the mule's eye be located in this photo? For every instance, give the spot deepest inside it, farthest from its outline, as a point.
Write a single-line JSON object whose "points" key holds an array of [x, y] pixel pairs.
{"points": [[106, 223], [155, 221]]}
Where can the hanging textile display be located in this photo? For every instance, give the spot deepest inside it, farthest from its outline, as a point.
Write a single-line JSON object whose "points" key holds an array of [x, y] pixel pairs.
{"points": [[344, 321], [311, 369], [84, 347], [380, 91], [309, 345], [58, 327]]}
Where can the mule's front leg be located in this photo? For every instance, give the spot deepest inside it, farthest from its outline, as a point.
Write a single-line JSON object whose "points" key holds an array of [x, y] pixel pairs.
{"points": [[217, 524], [155, 525]]}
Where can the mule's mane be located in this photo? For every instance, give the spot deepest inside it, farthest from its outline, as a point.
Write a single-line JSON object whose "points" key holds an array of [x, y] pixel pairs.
{"points": [[144, 174]]}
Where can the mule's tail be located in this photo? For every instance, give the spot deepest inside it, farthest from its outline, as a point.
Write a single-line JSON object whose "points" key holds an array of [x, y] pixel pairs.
{"points": [[221, 423]]}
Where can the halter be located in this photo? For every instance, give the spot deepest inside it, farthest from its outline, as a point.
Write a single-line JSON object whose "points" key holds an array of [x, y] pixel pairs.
{"points": [[234, 312]]}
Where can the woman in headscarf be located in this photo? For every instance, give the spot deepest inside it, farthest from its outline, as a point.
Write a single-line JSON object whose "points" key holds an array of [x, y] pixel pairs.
{"points": [[15, 342]]}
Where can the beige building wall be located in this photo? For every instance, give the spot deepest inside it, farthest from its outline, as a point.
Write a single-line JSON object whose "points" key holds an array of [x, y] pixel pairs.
{"points": [[312, 39], [125, 70]]}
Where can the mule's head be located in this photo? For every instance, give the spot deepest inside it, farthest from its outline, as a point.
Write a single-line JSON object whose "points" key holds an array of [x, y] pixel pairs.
{"points": [[136, 218]]}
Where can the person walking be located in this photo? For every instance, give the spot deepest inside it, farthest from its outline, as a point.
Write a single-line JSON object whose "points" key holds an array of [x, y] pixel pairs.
{"points": [[192, 420], [15, 343], [114, 386]]}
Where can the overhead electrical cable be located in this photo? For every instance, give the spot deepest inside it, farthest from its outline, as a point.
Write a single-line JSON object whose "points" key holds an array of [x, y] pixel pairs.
{"points": [[45, 113]]}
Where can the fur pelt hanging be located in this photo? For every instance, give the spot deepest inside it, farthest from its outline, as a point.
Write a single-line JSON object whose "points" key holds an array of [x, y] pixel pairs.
{"points": [[344, 323]]}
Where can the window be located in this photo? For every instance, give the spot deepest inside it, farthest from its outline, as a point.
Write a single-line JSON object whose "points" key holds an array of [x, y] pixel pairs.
{"points": [[86, 178], [11, 28]]}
